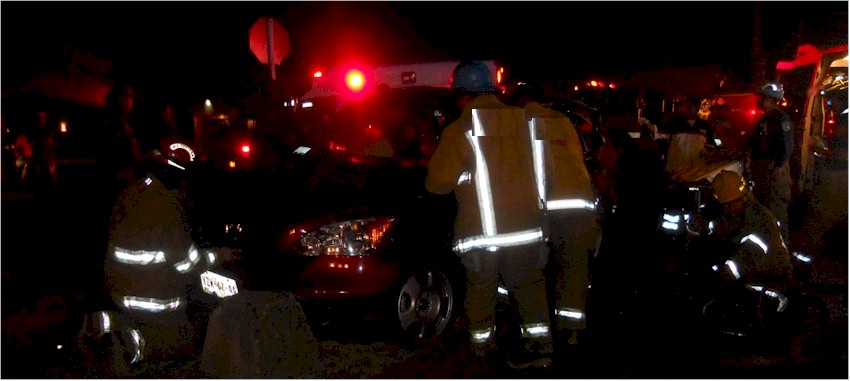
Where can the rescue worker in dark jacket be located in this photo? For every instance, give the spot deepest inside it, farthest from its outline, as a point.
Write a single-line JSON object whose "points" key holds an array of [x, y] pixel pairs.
{"points": [[485, 158], [688, 135], [151, 260], [771, 146]]}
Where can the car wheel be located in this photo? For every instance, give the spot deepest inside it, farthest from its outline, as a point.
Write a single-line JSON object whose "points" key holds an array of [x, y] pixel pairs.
{"points": [[425, 305]]}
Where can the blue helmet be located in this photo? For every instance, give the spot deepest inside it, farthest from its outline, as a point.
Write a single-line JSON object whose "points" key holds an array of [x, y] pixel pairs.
{"points": [[773, 90], [473, 76]]}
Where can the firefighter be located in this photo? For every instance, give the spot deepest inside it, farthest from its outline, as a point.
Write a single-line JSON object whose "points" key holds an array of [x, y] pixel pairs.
{"points": [[485, 158], [564, 183], [151, 261], [771, 145], [761, 257]]}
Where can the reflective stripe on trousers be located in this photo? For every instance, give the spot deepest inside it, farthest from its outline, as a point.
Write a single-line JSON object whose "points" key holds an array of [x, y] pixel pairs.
{"points": [[570, 313], [151, 304], [482, 336], [535, 330]]}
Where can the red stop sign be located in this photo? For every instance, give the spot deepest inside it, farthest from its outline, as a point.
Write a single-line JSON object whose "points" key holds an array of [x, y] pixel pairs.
{"points": [[258, 38]]}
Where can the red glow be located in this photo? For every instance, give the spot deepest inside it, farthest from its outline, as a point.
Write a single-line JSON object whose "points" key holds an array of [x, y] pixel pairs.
{"points": [[354, 80], [611, 86], [831, 121], [336, 147], [753, 112], [594, 83], [246, 149], [317, 74]]}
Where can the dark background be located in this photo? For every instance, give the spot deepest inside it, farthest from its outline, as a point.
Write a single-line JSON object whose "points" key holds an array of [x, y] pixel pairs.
{"points": [[201, 48]]}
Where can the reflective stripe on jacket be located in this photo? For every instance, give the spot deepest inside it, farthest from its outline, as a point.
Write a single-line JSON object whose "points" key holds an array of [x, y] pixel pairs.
{"points": [[485, 158], [563, 181], [150, 254]]}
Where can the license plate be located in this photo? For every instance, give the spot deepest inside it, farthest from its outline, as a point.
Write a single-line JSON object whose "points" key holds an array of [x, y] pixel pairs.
{"points": [[218, 285]]}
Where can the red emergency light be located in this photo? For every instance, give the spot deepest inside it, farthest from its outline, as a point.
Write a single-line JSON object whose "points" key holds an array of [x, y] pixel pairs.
{"points": [[317, 74], [246, 149], [355, 80]]}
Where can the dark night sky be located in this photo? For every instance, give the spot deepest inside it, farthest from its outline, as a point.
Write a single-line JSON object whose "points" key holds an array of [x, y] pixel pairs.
{"points": [[203, 46]]}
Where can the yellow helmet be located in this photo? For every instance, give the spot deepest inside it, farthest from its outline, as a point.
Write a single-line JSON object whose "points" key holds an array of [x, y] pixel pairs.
{"points": [[729, 186]]}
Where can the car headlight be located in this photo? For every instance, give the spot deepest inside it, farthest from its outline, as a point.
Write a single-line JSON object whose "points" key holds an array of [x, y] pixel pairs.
{"points": [[347, 238]]}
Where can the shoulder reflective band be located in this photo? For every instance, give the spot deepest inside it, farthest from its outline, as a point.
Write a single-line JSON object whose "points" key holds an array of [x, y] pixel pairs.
{"points": [[569, 313], [570, 204], [148, 181], [755, 239], [531, 330], [138, 257], [481, 335], [151, 304], [508, 239]]}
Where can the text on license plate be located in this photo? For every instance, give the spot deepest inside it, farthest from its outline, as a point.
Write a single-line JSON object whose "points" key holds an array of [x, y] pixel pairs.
{"points": [[218, 285]]}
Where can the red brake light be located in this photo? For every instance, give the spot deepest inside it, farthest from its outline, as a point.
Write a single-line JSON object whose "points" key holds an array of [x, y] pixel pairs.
{"points": [[753, 112], [354, 80], [246, 148], [317, 74]]}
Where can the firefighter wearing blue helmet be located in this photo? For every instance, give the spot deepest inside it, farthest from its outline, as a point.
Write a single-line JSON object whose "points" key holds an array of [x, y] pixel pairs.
{"points": [[485, 158]]}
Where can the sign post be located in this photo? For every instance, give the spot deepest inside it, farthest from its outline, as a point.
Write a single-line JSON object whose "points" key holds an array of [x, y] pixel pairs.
{"points": [[269, 41], [270, 34]]}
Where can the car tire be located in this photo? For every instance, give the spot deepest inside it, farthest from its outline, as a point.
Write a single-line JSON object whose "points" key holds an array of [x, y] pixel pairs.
{"points": [[426, 303]]}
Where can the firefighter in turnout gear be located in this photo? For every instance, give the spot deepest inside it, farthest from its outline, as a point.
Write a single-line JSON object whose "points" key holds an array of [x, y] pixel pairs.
{"points": [[761, 258], [771, 146], [563, 182], [485, 158], [151, 260]]}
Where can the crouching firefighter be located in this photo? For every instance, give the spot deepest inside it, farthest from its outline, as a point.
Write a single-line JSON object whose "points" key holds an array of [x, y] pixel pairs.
{"points": [[152, 263], [761, 261], [485, 158], [564, 184]]}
